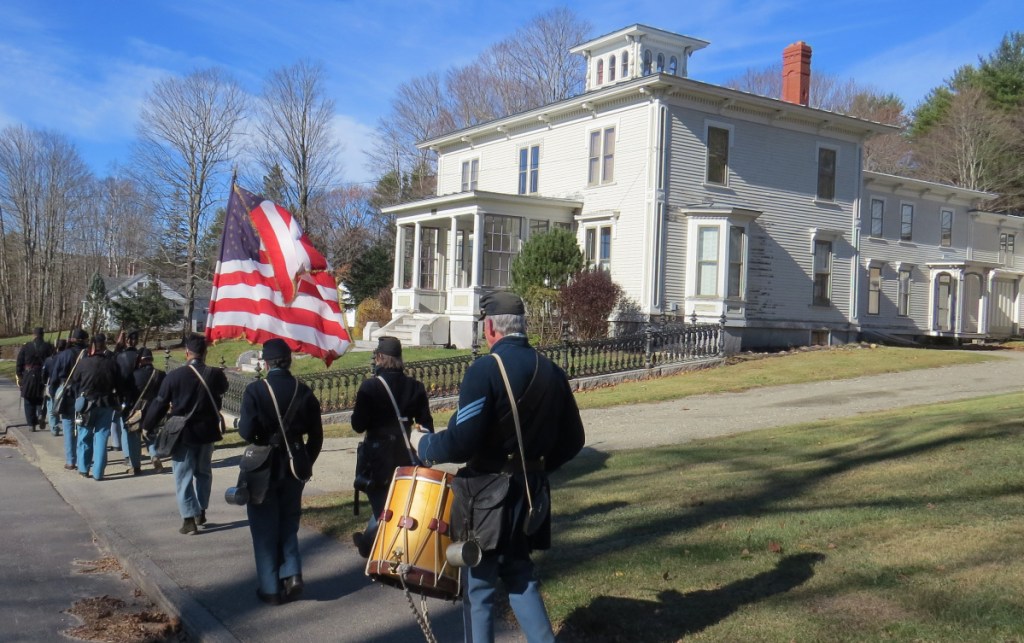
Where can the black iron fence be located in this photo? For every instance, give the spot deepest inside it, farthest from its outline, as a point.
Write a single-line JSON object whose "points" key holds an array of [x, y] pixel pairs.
{"points": [[654, 347]]}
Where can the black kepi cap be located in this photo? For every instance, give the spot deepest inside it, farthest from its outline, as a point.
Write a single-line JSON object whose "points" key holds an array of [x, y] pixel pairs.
{"points": [[501, 302], [388, 345], [275, 349], [196, 344]]}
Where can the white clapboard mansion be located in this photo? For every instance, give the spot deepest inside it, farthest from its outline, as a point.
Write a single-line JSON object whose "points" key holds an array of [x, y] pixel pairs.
{"points": [[705, 200]]}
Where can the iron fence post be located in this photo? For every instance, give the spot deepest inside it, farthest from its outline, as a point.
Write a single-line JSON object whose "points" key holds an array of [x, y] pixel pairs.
{"points": [[565, 345], [648, 346], [721, 334]]}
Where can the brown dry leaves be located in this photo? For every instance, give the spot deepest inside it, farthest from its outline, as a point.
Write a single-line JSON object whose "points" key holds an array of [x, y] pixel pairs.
{"points": [[105, 618]]}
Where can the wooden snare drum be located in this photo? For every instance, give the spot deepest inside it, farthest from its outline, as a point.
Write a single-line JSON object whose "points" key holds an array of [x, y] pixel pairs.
{"points": [[414, 533]]}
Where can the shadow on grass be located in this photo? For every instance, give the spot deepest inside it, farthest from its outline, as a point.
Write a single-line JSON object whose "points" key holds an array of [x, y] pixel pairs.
{"points": [[674, 614], [611, 618]]}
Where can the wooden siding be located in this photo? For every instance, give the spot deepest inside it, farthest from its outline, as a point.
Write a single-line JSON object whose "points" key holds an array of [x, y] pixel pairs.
{"points": [[772, 170], [563, 173]]}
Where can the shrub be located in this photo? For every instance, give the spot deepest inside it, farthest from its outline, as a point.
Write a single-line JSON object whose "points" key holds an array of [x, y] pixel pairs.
{"points": [[370, 310], [587, 301], [547, 260]]}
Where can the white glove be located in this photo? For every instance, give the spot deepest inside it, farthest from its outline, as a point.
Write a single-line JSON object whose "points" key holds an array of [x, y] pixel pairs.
{"points": [[414, 438]]}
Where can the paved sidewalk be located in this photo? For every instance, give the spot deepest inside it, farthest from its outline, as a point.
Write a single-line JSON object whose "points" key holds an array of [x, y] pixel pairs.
{"points": [[210, 578]]}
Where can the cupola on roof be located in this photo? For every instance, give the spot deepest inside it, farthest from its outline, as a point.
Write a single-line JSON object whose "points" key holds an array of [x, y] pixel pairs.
{"points": [[636, 51]]}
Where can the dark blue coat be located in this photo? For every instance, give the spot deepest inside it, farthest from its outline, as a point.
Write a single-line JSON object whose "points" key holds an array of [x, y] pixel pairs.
{"points": [[180, 391], [258, 422], [481, 432]]}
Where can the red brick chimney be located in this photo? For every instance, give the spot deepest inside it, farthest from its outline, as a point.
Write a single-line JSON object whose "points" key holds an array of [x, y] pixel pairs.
{"points": [[796, 73]]}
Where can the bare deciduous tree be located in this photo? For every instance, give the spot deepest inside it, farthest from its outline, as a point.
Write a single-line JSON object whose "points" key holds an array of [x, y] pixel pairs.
{"points": [[295, 129], [974, 146], [530, 68], [889, 153], [43, 185], [826, 92], [186, 135]]}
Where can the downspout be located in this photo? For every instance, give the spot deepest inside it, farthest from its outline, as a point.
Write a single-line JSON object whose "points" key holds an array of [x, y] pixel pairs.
{"points": [[855, 235]]}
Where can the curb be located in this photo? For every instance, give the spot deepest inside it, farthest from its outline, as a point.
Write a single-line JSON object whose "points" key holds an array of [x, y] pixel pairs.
{"points": [[197, 621]]}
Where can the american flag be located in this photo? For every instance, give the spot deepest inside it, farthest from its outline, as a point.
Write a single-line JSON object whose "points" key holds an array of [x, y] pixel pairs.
{"points": [[271, 282]]}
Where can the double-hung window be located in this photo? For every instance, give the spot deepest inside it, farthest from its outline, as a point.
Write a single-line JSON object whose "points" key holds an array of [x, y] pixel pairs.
{"points": [[906, 221], [903, 297], [826, 174], [874, 289], [598, 247], [737, 250], [718, 155], [470, 173], [707, 261], [877, 212], [822, 273], [946, 228], [601, 156], [1006, 247], [428, 258], [501, 245], [529, 169]]}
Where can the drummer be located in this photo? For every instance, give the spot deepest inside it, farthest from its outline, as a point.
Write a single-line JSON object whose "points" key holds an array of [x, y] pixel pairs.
{"points": [[552, 432], [374, 414]]}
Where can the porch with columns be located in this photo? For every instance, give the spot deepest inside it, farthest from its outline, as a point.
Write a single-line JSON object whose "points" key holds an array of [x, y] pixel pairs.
{"points": [[441, 271]]}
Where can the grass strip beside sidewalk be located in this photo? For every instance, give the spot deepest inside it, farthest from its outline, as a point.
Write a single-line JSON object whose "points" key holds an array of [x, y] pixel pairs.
{"points": [[905, 525]]}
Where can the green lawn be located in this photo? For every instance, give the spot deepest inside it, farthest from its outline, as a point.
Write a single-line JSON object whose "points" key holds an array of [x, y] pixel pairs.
{"points": [[905, 526]]}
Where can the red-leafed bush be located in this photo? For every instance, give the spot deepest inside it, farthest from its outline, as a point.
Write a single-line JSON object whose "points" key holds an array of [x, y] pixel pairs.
{"points": [[587, 301]]}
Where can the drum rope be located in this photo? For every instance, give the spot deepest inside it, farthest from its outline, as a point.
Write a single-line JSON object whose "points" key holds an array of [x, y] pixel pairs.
{"points": [[422, 618]]}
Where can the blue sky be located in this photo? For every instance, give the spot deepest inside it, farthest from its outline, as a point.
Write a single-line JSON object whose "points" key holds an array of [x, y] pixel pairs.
{"points": [[82, 67]]}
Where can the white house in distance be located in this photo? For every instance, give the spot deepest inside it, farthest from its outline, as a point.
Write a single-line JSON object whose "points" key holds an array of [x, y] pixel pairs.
{"points": [[120, 287], [708, 201]]}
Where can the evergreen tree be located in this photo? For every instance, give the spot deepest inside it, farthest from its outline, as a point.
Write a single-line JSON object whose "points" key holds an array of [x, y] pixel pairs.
{"points": [[95, 304], [544, 265], [370, 272], [546, 260], [144, 309]]}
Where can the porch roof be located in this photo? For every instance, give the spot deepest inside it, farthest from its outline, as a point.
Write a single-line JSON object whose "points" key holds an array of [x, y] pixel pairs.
{"points": [[487, 201]]}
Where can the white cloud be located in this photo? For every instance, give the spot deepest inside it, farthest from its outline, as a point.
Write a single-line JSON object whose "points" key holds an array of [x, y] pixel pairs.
{"points": [[356, 138]]}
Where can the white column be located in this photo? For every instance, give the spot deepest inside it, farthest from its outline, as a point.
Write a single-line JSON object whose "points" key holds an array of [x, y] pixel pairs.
{"points": [[416, 257], [478, 248], [452, 234], [399, 257]]}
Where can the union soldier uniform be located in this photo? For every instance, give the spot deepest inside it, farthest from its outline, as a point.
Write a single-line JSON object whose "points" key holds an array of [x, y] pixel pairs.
{"points": [[274, 523], [192, 457], [483, 435]]}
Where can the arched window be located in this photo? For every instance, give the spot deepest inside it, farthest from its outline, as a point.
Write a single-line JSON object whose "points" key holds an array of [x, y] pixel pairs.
{"points": [[672, 65], [600, 71], [625, 64], [611, 68], [647, 62], [661, 63]]}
